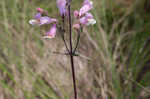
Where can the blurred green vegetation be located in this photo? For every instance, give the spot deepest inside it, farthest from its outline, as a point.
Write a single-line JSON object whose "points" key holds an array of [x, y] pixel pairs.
{"points": [[117, 47]]}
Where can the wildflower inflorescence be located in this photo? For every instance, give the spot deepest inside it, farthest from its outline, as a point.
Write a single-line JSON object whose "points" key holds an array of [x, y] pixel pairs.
{"points": [[83, 18], [40, 20]]}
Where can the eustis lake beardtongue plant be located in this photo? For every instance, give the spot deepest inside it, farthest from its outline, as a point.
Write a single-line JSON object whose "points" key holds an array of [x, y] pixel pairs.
{"points": [[82, 17]]}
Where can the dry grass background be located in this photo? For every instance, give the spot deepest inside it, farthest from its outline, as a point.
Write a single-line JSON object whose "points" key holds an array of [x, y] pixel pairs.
{"points": [[113, 61]]}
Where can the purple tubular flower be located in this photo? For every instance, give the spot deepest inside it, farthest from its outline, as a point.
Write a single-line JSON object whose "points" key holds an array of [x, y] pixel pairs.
{"points": [[51, 33], [84, 20], [37, 16], [87, 19], [88, 15], [44, 20], [47, 20], [87, 5], [61, 4], [38, 20]]}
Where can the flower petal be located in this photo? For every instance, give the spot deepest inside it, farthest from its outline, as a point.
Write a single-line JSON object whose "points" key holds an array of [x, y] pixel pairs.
{"points": [[61, 4], [91, 22], [87, 19], [33, 22], [47, 37], [37, 16], [88, 15], [83, 20], [51, 33], [87, 5], [84, 9], [45, 20]]}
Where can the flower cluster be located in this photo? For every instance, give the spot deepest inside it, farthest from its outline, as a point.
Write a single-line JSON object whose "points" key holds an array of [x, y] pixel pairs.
{"points": [[83, 17], [40, 19]]}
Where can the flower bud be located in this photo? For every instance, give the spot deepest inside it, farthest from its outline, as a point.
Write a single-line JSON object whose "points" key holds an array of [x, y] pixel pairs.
{"points": [[40, 10], [76, 14]]}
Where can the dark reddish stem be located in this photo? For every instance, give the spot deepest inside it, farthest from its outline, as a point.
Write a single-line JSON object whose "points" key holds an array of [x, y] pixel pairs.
{"points": [[71, 50], [78, 39], [63, 30]]}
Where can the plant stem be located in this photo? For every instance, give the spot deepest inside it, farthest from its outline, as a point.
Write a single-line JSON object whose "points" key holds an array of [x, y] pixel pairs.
{"points": [[71, 51], [73, 76], [62, 34], [78, 39]]}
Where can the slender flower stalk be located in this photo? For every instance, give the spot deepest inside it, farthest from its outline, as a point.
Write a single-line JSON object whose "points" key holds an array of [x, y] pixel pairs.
{"points": [[78, 39], [71, 50]]}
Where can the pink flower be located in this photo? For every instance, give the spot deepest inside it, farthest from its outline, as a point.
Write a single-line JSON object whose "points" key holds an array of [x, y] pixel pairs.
{"points": [[45, 20], [88, 15], [40, 10], [61, 4], [83, 20], [87, 5], [51, 33], [39, 20], [87, 19], [83, 17]]}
